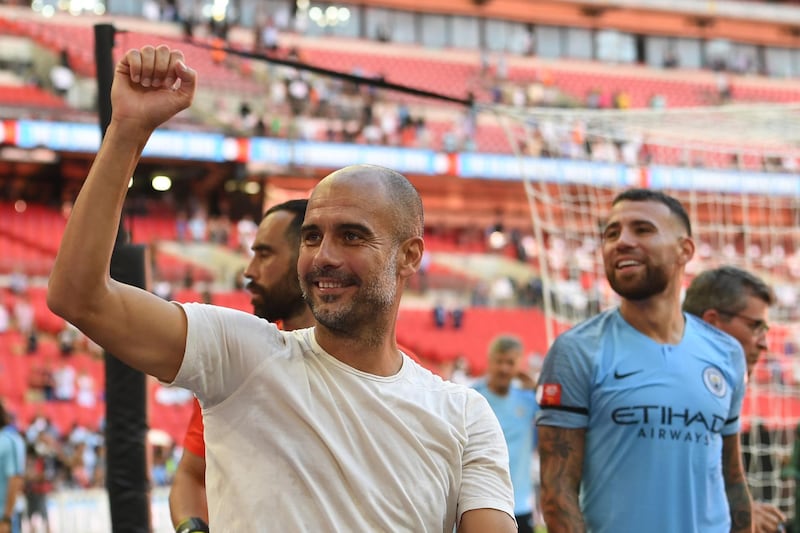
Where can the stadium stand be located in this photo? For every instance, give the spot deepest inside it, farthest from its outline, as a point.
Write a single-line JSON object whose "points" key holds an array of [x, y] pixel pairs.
{"points": [[464, 265]]}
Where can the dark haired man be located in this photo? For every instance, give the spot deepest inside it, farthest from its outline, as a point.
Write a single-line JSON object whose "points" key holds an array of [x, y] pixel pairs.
{"points": [[277, 297], [639, 420], [737, 302]]}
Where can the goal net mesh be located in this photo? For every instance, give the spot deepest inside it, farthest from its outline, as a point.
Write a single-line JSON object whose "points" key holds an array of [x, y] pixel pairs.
{"points": [[739, 218]]}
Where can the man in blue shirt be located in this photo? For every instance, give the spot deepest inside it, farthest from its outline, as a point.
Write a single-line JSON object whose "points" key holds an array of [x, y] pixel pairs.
{"points": [[12, 471], [639, 420], [515, 408], [737, 302]]}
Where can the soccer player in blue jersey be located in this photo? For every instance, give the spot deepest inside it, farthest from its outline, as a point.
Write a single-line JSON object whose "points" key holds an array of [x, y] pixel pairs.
{"points": [[639, 419], [515, 408], [737, 302]]}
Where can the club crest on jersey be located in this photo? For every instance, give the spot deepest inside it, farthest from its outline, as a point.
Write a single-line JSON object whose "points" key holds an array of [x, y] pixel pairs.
{"points": [[714, 381], [549, 394]]}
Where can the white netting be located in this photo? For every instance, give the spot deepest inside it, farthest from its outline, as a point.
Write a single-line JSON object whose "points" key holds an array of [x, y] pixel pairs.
{"points": [[755, 229]]}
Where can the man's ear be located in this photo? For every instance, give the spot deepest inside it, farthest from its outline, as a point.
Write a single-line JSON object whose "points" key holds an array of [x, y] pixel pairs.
{"points": [[686, 249], [712, 316], [409, 257]]}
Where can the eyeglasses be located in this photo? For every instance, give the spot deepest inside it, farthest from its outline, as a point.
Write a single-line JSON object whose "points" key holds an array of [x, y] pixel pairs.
{"points": [[756, 325]]}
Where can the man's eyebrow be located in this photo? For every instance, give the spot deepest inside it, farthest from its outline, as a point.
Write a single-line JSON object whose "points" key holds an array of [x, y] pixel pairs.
{"points": [[353, 226], [308, 227], [634, 222], [261, 248], [607, 225], [345, 226]]}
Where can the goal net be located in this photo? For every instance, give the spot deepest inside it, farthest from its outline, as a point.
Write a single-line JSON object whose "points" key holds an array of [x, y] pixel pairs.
{"points": [[733, 169]]}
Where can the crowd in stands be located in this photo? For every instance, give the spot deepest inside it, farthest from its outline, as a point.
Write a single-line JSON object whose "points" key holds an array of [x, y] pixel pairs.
{"points": [[306, 106], [297, 104], [59, 410]]}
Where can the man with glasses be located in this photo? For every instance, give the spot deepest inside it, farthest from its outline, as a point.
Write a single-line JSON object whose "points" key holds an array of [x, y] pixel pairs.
{"points": [[737, 302]]}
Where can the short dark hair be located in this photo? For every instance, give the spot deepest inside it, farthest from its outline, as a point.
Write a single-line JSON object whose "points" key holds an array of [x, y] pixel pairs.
{"points": [[296, 207], [650, 195], [726, 289], [504, 343]]}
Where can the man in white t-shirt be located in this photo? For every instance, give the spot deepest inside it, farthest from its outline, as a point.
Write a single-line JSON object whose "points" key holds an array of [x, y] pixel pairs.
{"points": [[329, 428]]}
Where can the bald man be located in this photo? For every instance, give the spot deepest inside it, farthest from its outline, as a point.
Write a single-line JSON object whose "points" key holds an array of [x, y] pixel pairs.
{"points": [[330, 428]]}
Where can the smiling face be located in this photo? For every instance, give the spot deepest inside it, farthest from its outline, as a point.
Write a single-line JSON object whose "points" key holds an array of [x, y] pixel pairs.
{"points": [[644, 249], [348, 262]]}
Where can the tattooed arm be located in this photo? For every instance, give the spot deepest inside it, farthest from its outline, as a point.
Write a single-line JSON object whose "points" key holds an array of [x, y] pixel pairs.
{"points": [[736, 485], [561, 456]]}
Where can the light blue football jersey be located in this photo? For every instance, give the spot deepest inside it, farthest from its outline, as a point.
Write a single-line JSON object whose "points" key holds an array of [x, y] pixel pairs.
{"points": [[654, 415], [516, 412]]}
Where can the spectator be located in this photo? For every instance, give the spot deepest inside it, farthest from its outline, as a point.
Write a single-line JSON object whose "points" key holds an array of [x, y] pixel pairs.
{"points": [[86, 395], [12, 471], [18, 281], [64, 378], [68, 338], [246, 230], [5, 315], [61, 76], [457, 314], [516, 409], [40, 474], [24, 318], [439, 315]]}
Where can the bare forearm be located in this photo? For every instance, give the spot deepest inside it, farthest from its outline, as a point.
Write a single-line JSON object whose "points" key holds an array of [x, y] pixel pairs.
{"points": [[561, 511], [736, 489], [187, 498], [561, 451], [740, 508], [91, 231]]}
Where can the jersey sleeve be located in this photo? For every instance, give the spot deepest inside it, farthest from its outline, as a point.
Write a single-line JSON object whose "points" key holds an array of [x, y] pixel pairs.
{"points": [[194, 440], [564, 386], [733, 423], [8, 457], [485, 479], [19, 445], [530, 397], [223, 347]]}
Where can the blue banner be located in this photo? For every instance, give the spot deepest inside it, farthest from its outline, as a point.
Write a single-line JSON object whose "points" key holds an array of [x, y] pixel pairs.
{"points": [[728, 181], [62, 136], [510, 167]]}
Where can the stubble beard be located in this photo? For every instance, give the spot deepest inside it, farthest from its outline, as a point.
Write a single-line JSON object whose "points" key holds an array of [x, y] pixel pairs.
{"points": [[361, 317], [282, 301], [655, 281]]}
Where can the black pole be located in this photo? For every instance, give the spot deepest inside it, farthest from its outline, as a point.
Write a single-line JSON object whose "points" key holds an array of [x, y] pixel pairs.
{"points": [[126, 398], [103, 49]]}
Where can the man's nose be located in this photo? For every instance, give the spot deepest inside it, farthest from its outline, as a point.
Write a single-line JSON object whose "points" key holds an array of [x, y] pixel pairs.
{"points": [[251, 271], [327, 254]]}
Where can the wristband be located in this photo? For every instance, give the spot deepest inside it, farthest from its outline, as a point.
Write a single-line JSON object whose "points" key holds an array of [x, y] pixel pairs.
{"points": [[192, 525]]}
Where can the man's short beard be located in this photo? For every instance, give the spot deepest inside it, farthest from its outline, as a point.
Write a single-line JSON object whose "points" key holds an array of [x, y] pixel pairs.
{"points": [[655, 282], [371, 301]]}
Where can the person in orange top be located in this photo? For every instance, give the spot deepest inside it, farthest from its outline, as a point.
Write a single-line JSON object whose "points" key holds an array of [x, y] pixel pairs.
{"points": [[276, 297]]}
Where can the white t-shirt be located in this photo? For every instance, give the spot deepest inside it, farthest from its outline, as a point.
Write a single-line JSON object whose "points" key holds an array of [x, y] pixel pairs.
{"points": [[298, 441]]}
